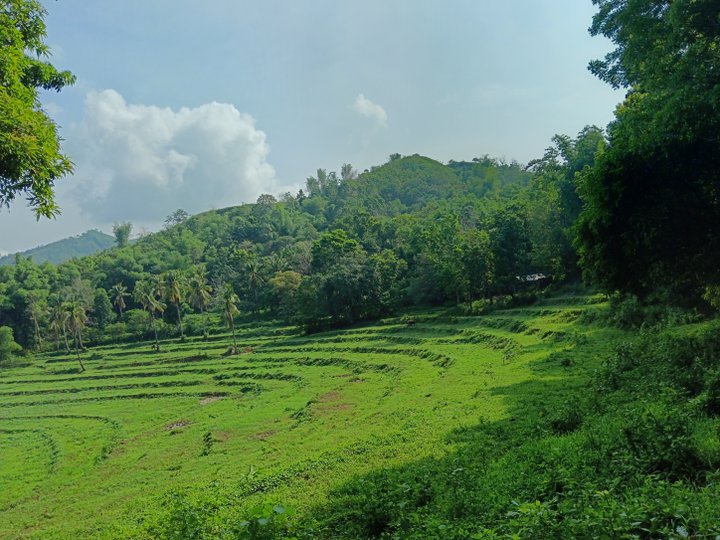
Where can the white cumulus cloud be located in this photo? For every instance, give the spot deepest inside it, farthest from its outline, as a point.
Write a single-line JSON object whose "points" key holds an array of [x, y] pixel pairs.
{"points": [[367, 108], [142, 162]]}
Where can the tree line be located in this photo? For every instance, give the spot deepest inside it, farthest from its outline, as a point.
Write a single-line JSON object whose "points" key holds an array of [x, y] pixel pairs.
{"points": [[346, 248]]}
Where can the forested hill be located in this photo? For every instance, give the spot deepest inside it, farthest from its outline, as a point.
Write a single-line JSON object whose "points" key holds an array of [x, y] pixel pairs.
{"points": [[63, 250], [345, 248]]}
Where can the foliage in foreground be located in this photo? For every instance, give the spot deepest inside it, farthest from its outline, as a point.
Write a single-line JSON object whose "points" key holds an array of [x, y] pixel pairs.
{"points": [[652, 200], [30, 156]]}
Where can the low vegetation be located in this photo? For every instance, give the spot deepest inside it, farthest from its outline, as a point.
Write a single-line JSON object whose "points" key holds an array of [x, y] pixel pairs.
{"points": [[528, 421]]}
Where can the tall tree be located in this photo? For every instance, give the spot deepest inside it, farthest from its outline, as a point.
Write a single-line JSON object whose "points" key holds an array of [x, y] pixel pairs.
{"points": [[178, 217], [255, 279], [476, 257], [8, 347], [77, 320], [175, 291], [347, 173], [30, 156], [200, 294], [80, 291], [59, 318], [554, 203], [652, 203], [146, 293], [230, 301], [102, 309], [122, 233], [284, 289], [119, 292], [510, 242], [36, 310]]}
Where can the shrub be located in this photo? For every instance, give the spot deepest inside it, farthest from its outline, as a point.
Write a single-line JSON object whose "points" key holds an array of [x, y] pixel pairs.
{"points": [[193, 324], [566, 418], [8, 347], [182, 519], [137, 323], [117, 332], [656, 439], [712, 393], [185, 517], [476, 307], [629, 313], [264, 522]]}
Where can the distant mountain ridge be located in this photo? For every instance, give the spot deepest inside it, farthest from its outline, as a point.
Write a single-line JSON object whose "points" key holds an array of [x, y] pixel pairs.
{"points": [[87, 243]]}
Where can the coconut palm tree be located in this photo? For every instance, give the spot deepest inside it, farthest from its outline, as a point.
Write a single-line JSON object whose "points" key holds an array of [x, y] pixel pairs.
{"points": [[174, 284], [200, 294], [59, 317], [230, 300], [77, 320], [36, 310], [276, 263], [255, 278], [119, 292], [146, 293]]}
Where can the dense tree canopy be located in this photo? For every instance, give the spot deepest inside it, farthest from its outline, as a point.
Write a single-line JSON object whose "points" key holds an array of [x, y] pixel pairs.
{"points": [[30, 156], [355, 247], [652, 215]]}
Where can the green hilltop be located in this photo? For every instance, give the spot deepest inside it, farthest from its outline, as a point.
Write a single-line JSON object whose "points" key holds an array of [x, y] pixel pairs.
{"points": [[63, 250]]}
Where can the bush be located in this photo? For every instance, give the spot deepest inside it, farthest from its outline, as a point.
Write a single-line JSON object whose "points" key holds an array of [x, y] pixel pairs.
{"points": [[566, 418], [476, 307], [264, 522], [484, 306], [164, 330], [183, 517], [194, 324], [660, 440], [628, 312], [117, 332], [8, 347], [137, 323], [659, 360], [711, 396]]}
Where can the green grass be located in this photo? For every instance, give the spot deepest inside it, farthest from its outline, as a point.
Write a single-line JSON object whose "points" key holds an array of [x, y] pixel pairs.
{"points": [[93, 454]]}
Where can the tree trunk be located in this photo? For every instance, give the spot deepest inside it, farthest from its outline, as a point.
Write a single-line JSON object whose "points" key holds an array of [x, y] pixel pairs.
{"points": [[177, 307], [204, 316], [77, 352], [67, 345], [157, 343], [38, 339]]}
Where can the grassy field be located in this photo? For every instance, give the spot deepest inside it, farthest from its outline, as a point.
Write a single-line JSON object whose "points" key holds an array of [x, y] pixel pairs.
{"points": [[292, 418]]}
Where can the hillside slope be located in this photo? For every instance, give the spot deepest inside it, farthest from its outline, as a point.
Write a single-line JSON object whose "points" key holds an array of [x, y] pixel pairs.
{"points": [[87, 243], [96, 454]]}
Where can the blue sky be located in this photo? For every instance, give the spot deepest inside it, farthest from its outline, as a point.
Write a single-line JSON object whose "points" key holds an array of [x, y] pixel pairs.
{"points": [[199, 105]]}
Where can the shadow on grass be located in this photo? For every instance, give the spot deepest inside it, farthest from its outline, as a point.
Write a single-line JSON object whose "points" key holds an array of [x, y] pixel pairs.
{"points": [[494, 467]]}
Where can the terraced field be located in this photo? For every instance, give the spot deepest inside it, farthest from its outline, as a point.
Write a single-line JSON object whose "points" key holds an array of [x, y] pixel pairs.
{"points": [[89, 454]]}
